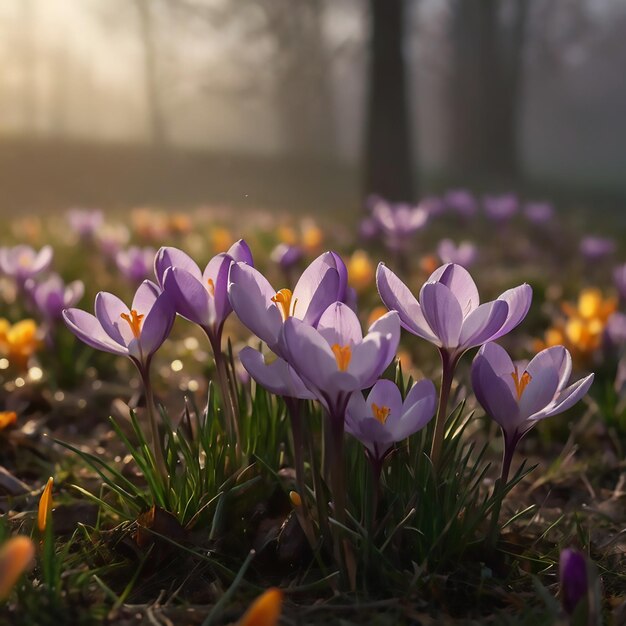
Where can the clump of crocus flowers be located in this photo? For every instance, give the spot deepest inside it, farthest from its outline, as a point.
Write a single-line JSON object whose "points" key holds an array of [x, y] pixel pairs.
{"points": [[322, 353]]}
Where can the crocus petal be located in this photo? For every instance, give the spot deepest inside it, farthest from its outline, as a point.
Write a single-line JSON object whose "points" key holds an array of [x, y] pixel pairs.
{"points": [[442, 312], [173, 257], [494, 394], [316, 289], [217, 271], [518, 299], [89, 330], [188, 295], [240, 251], [385, 393], [156, 325], [566, 399], [340, 325], [73, 293], [397, 297], [145, 296], [501, 364], [460, 283], [109, 309], [539, 392], [310, 354], [482, 323], [277, 377], [368, 360], [374, 436], [388, 325], [418, 414], [251, 296], [42, 260]]}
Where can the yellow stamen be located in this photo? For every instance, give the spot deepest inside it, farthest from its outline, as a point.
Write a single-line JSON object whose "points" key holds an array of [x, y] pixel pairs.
{"points": [[283, 300], [45, 505], [343, 354], [134, 321], [211, 287], [381, 413], [521, 382]]}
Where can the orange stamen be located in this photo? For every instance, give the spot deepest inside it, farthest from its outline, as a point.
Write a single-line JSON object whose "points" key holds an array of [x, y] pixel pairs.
{"points": [[343, 354], [211, 287], [282, 299], [381, 413], [134, 321], [521, 382]]}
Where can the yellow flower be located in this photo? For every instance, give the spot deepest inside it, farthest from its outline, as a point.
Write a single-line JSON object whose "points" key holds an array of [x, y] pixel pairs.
{"points": [[180, 223], [221, 239], [361, 270], [18, 342], [288, 235], [312, 237], [7, 418], [45, 506], [15, 555], [265, 610]]}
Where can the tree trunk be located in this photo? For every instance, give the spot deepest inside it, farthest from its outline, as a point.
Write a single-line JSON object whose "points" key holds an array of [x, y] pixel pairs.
{"points": [[154, 104], [486, 88], [389, 168]]}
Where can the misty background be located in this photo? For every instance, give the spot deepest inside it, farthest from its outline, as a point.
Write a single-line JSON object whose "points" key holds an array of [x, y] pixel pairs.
{"points": [[308, 104]]}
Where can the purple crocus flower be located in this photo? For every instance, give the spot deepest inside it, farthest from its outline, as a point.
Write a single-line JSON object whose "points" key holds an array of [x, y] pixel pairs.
{"points": [[22, 262], [286, 256], [200, 296], [464, 254], [501, 208], [135, 263], [369, 228], [538, 212], [518, 395], [334, 360], [85, 222], [433, 206], [264, 310], [574, 579], [594, 248], [399, 222], [111, 238], [449, 313], [382, 419], [52, 295], [461, 201], [619, 278], [137, 331]]}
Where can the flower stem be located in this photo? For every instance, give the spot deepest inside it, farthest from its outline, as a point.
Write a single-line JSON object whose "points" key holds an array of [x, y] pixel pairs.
{"points": [[232, 424], [157, 443], [448, 365], [498, 490]]}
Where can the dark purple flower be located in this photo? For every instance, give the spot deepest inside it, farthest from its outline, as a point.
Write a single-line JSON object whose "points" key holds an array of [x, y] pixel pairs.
{"points": [[200, 296], [501, 208], [433, 206], [135, 263], [573, 578], [137, 331], [382, 419], [22, 262], [264, 310], [594, 248], [449, 313], [369, 228], [464, 254], [52, 295], [85, 222], [461, 201], [616, 328], [538, 212], [334, 360], [286, 256]]}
